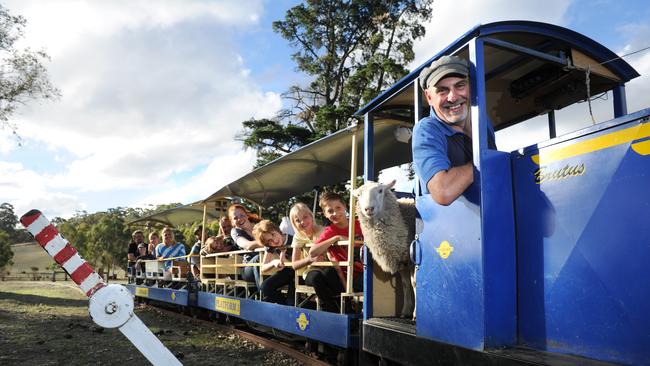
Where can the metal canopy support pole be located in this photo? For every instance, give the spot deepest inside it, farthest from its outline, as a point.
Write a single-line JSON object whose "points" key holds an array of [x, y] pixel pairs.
{"points": [[620, 102], [205, 215], [551, 125], [368, 174], [417, 98], [353, 174]]}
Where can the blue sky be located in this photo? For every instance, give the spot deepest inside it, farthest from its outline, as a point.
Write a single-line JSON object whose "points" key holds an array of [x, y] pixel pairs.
{"points": [[155, 91]]}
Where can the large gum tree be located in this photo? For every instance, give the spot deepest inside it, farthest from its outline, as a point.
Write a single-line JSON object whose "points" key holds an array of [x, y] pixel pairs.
{"points": [[351, 50]]}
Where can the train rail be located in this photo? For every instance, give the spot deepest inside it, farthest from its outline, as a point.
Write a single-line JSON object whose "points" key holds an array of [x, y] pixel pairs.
{"points": [[291, 350]]}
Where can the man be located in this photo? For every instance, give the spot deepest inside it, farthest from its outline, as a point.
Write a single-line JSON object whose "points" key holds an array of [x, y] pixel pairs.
{"points": [[132, 253], [169, 248], [442, 142], [225, 227]]}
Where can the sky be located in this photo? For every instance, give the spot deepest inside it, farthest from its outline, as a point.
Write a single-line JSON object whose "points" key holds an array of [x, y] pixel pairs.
{"points": [[154, 92]]}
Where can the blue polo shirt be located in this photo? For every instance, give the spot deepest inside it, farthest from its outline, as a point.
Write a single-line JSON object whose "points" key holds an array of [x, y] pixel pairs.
{"points": [[437, 146]]}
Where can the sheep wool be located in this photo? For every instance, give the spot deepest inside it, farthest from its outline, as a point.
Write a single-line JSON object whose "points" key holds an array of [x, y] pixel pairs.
{"points": [[389, 231]]}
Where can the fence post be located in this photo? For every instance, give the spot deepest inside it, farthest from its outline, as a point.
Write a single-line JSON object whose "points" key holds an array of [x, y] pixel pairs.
{"points": [[53, 276]]}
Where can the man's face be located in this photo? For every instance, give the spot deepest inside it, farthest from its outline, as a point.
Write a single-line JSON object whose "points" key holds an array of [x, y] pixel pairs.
{"points": [[226, 226], [168, 237], [142, 250], [334, 210], [449, 99], [138, 238]]}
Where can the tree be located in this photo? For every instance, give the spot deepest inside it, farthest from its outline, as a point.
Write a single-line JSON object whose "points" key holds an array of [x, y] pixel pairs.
{"points": [[353, 49], [109, 236], [8, 219], [6, 254], [22, 74]]}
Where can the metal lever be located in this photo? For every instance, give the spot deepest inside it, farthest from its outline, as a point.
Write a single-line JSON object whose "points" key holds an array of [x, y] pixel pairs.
{"points": [[109, 306]]}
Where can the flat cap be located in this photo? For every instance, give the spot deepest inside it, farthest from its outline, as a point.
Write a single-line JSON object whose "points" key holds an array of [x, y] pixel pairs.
{"points": [[442, 67]]}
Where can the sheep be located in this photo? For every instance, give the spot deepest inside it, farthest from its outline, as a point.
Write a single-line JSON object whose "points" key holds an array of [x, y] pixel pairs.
{"points": [[388, 226]]}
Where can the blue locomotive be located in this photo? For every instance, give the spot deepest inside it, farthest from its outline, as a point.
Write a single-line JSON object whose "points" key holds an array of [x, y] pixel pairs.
{"points": [[540, 261]]}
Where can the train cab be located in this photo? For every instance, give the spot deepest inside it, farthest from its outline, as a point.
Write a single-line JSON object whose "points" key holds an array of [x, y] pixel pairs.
{"points": [[541, 259]]}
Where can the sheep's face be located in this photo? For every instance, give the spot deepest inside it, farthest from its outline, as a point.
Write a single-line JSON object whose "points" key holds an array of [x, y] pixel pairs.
{"points": [[370, 198]]}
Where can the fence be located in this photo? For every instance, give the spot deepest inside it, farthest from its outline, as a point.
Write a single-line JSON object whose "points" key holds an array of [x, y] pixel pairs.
{"points": [[36, 276]]}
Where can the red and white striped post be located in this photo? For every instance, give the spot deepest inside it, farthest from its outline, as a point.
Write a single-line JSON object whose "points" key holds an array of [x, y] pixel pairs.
{"points": [[62, 252], [110, 306]]}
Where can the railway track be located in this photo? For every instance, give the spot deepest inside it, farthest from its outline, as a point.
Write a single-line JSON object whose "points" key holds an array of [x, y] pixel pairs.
{"points": [[276, 345]]}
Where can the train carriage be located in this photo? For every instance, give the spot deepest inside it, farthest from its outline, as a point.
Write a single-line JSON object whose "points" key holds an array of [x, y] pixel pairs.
{"points": [[538, 262], [542, 256]]}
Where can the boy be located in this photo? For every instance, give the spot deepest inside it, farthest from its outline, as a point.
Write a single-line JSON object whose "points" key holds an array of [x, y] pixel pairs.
{"points": [[332, 280], [217, 244], [276, 243]]}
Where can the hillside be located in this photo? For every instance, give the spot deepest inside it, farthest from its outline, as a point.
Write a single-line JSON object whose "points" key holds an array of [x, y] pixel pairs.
{"points": [[28, 255]]}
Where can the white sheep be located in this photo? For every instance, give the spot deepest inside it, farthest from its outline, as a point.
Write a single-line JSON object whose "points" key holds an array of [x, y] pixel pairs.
{"points": [[388, 226]]}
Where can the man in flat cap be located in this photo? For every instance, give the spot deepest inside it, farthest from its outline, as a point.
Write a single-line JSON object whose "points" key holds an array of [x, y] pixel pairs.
{"points": [[442, 142]]}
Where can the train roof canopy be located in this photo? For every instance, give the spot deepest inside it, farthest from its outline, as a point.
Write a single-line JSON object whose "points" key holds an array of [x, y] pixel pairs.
{"points": [[530, 69], [321, 163], [180, 215]]}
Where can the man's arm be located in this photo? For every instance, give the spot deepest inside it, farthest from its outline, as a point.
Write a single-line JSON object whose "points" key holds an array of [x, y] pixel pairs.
{"points": [[447, 185]]}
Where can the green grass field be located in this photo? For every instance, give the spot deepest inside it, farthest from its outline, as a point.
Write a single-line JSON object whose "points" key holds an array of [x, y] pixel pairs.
{"points": [[27, 256]]}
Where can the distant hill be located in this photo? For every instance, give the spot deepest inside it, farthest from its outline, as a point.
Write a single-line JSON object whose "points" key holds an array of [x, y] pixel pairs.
{"points": [[28, 255]]}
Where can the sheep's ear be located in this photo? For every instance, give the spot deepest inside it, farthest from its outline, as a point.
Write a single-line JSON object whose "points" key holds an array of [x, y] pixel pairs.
{"points": [[391, 184], [356, 192]]}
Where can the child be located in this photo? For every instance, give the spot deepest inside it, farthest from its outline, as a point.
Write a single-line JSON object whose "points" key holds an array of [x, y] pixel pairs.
{"points": [[331, 281], [306, 232], [276, 244], [154, 240], [195, 261], [242, 235], [216, 244]]}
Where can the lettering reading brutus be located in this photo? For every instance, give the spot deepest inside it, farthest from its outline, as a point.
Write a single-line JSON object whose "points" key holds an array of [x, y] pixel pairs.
{"points": [[544, 174]]}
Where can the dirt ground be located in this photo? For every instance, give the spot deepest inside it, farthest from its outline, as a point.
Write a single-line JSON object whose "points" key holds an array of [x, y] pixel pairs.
{"points": [[46, 323]]}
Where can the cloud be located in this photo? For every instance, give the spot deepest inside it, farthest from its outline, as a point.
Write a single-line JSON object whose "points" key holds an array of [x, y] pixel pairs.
{"points": [[149, 92], [61, 24], [221, 171], [637, 90], [26, 189], [451, 19]]}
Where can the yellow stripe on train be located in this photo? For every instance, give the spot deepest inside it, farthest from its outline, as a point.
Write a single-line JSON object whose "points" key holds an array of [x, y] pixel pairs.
{"points": [[230, 306], [598, 143], [142, 291]]}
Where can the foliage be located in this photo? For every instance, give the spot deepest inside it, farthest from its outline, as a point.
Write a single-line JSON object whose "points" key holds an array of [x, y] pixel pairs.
{"points": [[8, 219], [6, 254], [352, 49], [8, 222], [22, 74], [101, 238]]}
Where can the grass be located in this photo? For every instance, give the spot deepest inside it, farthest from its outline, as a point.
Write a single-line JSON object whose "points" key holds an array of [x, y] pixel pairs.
{"points": [[45, 323], [27, 256]]}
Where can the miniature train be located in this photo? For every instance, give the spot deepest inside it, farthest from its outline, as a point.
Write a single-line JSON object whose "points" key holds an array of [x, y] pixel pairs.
{"points": [[541, 261]]}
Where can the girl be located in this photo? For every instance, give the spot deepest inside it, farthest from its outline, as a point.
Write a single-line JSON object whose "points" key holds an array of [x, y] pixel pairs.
{"points": [[242, 234], [306, 232], [154, 240]]}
